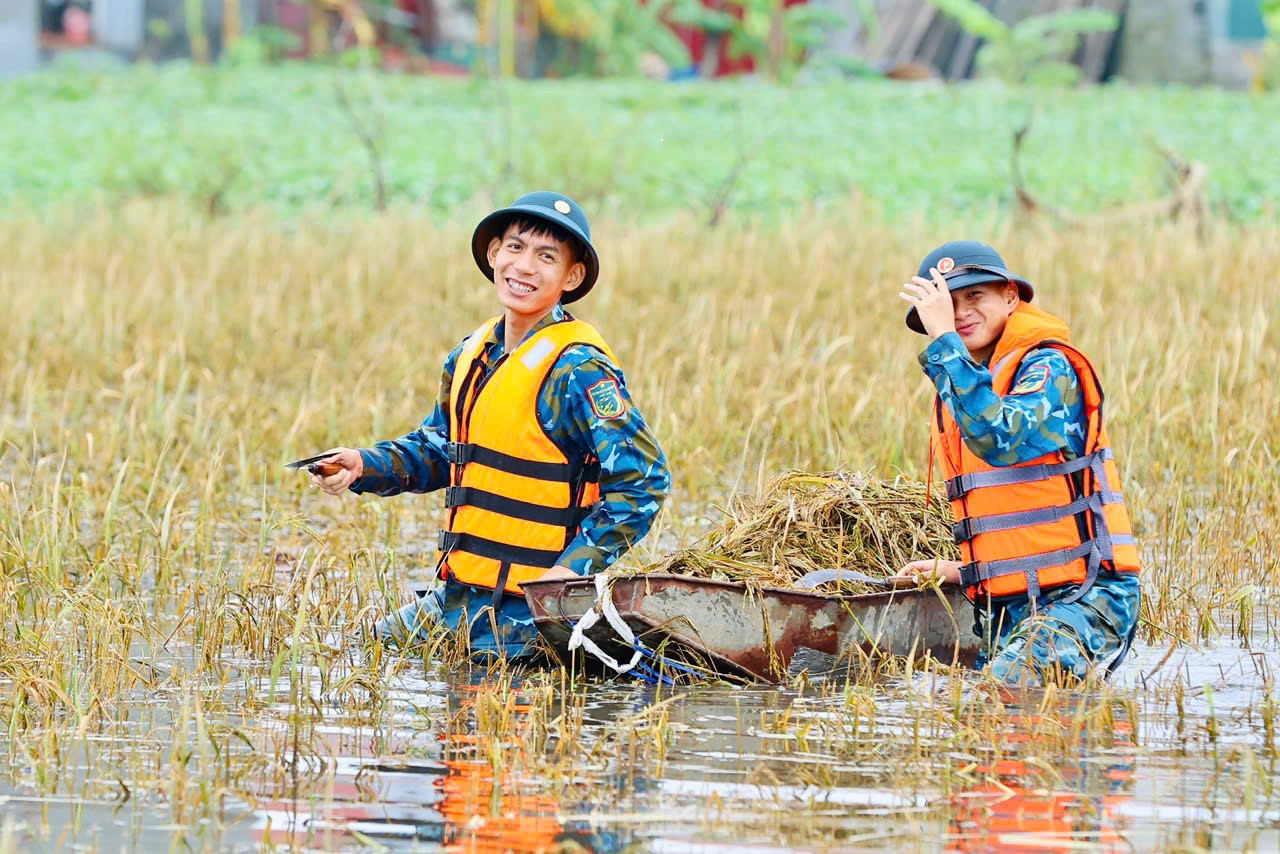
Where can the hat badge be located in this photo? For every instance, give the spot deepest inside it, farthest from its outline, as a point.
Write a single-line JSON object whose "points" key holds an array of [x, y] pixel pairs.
{"points": [[562, 206], [946, 265]]}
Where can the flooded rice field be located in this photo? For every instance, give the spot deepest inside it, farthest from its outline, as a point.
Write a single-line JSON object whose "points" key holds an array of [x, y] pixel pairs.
{"points": [[233, 704], [181, 664], [1178, 755]]}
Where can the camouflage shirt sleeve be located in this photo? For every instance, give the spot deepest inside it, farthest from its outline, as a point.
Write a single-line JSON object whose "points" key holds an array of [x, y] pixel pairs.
{"points": [[416, 462], [586, 402], [1043, 411]]}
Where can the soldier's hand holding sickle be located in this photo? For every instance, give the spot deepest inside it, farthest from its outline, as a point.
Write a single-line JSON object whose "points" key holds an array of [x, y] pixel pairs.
{"points": [[343, 468], [932, 301], [334, 470]]}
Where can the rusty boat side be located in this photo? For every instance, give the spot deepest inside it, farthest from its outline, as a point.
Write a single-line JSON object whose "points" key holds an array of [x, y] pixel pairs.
{"points": [[754, 633]]}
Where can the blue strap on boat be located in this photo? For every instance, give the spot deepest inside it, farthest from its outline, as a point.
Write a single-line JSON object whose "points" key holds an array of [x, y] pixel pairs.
{"points": [[642, 676], [664, 661], [652, 677]]}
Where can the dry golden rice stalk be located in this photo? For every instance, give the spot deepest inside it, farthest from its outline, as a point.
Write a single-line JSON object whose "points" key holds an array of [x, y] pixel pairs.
{"points": [[802, 522]]}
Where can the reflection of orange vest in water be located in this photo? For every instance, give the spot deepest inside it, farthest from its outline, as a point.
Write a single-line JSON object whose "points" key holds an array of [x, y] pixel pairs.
{"points": [[1016, 809], [515, 498], [1046, 522], [483, 814]]}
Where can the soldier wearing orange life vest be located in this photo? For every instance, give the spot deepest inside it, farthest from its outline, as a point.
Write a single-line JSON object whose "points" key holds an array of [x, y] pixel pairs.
{"points": [[1049, 557], [548, 468]]}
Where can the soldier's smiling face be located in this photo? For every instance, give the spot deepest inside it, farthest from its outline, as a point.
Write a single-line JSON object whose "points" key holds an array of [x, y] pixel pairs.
{"points": [[981, 312], [533, 269]]}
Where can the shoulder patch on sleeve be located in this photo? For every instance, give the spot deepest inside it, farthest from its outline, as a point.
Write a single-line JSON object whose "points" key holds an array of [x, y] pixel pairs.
{"points": [[1031, 380], [606, 400]]}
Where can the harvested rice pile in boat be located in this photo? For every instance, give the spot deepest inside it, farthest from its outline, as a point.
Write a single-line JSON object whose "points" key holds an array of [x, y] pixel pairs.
{"points": [[802, 522]]}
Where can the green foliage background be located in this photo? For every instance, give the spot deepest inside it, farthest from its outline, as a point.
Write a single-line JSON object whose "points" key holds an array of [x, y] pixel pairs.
{"points": [[276, 136]]}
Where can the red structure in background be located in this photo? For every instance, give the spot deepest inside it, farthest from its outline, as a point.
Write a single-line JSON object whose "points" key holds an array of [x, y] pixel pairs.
{"points": [[295, 16], [697, 40]]}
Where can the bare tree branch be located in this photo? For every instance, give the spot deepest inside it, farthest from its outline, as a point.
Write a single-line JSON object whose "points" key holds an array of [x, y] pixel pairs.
{"points": [[1187, 201], [367, 139]]}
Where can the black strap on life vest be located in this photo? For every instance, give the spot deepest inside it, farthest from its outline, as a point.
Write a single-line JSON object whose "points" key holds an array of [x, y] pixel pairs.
{"points": [[467, 496], [1097, 548], [462, 453], [971, 526], [502, 552], [500, 588], [975, 573], [961, 485], [576, 473], [461, 415]]}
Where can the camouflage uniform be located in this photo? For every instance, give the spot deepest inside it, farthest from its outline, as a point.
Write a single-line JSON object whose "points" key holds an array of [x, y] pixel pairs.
{"points": [[633, 483], [1024, 639]]}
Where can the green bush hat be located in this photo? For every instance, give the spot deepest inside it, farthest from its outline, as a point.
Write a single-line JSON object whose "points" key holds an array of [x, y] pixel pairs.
{"points": [[555, 208], [963, 263]]}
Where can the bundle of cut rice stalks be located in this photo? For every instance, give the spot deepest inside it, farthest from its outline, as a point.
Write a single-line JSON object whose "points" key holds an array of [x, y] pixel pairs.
{"points": [[802, 522]]}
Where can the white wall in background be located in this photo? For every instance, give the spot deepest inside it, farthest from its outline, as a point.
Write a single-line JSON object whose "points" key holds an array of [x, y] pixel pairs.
{"points": [[118, 24], [19, 27]]}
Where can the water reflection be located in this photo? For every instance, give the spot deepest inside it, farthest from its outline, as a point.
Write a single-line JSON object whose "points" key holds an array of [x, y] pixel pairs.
{"points": [[474, 763], [464, 791], [1016, 809], [764, 767]]}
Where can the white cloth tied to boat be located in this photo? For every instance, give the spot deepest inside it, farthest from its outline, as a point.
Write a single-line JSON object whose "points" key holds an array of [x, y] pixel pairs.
{"points": [[604, 608]]}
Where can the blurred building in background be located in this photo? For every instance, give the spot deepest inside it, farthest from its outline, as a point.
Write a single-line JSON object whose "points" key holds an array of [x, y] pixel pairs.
{"points": [[18, 28], [1194, 42]]}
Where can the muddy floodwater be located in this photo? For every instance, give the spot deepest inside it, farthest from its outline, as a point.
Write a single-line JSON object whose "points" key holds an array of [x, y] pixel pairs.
{"points": [[1186, 760]]}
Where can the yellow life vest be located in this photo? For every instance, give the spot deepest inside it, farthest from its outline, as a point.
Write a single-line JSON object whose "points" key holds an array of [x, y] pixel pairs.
{"points": [[1049, 521], [516, 499]]}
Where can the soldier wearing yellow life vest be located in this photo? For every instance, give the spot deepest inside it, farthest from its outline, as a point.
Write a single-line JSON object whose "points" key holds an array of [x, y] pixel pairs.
{"points": [[1050, 560], [548, 468]]}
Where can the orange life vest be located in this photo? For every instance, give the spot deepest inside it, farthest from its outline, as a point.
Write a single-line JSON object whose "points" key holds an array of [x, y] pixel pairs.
{"points": [[515, 499], [1046, 522]]}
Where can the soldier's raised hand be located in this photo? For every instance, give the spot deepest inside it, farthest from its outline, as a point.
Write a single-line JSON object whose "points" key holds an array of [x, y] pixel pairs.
{"points": [[932, 301]]}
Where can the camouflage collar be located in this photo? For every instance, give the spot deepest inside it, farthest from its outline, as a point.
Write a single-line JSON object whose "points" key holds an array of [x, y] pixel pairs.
{"points": [[498, 335]]}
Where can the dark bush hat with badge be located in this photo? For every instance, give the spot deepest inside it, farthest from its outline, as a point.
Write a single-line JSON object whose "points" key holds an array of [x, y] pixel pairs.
{"points": [[963, 263], [555, 208]]}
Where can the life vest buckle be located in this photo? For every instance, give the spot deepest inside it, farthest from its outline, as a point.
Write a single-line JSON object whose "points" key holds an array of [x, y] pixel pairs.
{"points": [[962, 531], [458, 453], [956, 488], [453, 496]]}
